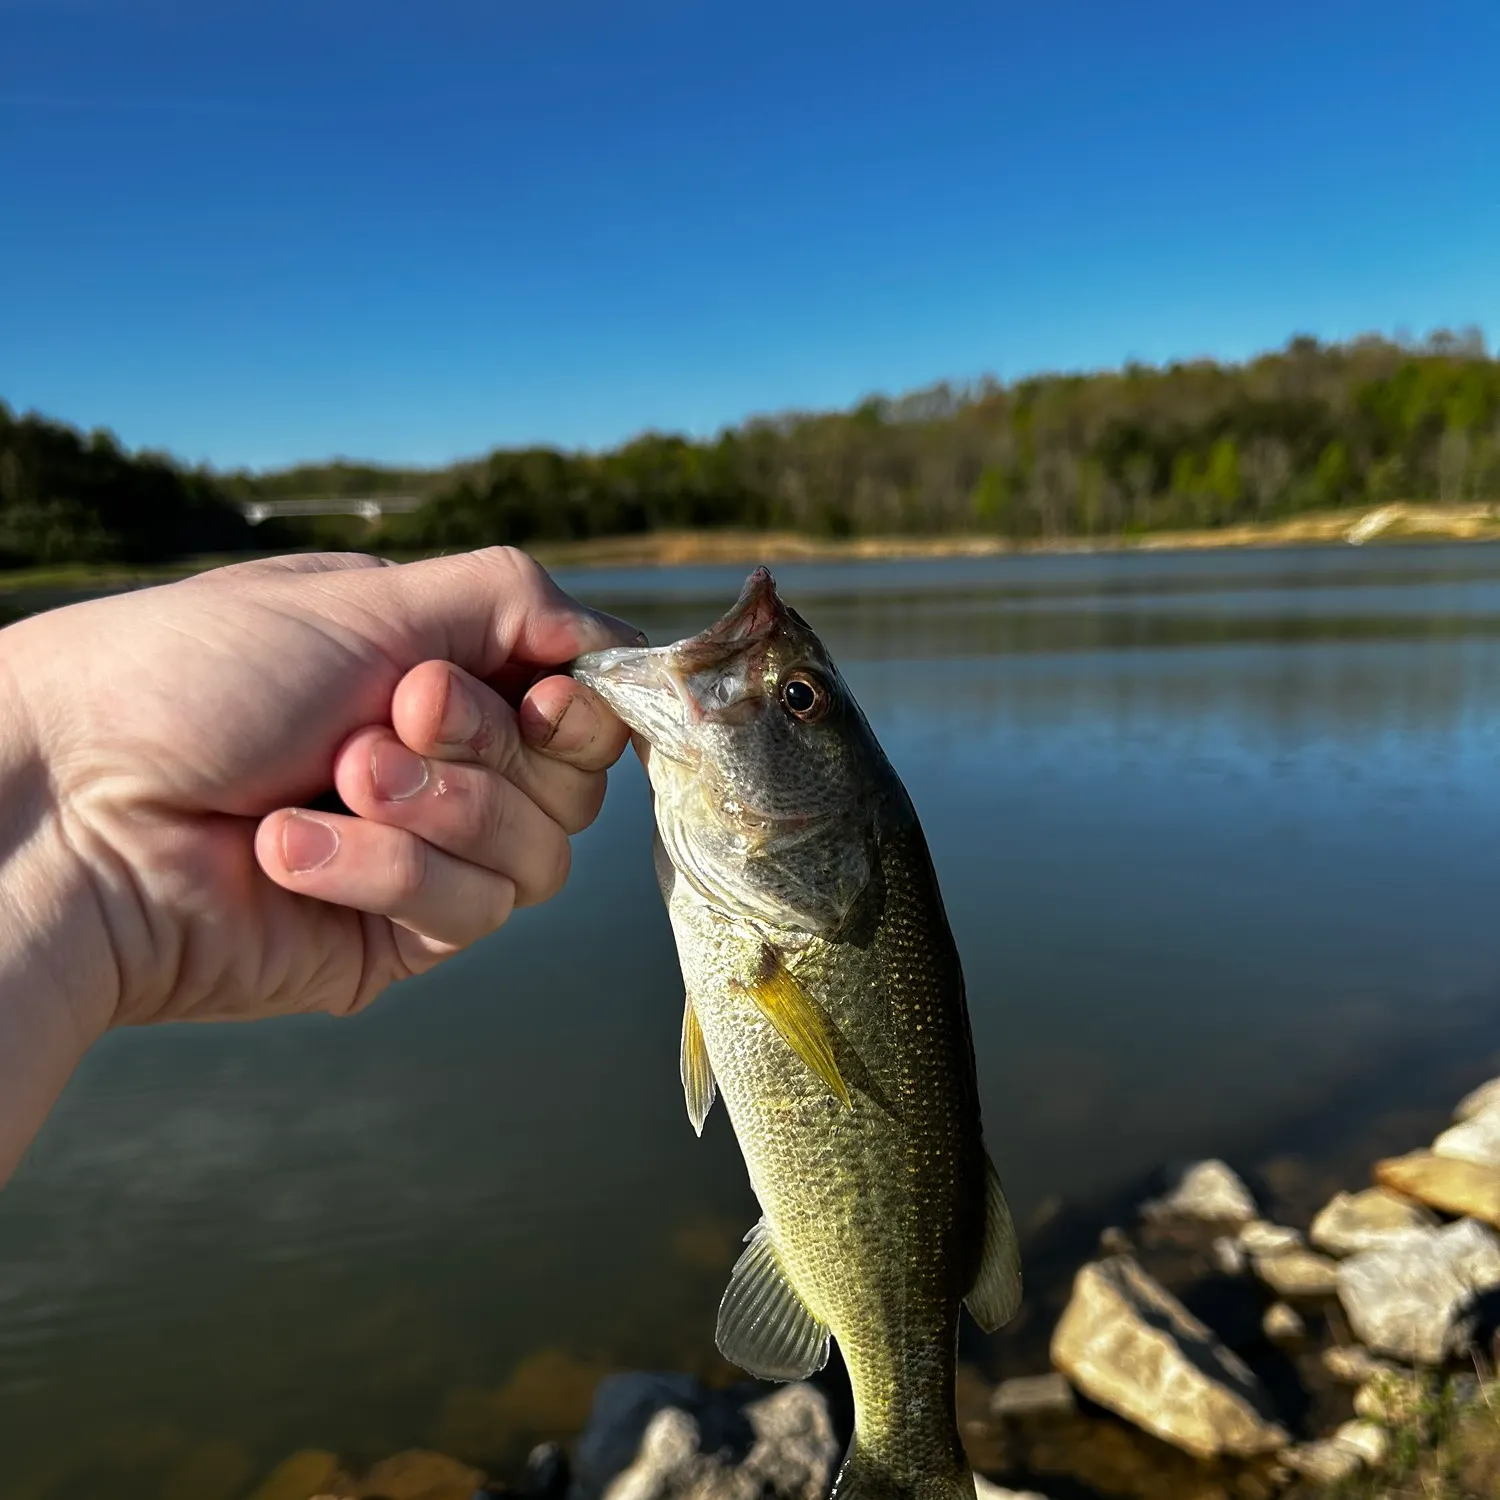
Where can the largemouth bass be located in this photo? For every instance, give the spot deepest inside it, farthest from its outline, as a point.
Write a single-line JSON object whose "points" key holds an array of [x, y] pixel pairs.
{"points": [[826, 1003]]}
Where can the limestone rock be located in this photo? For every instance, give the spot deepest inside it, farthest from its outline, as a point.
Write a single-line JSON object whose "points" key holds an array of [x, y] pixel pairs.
{"points": [[1131, 1346], [419, 1475], [733, 1445], [1352, 1364], [300, 1477], [623, 1407], [1298, 1273], [1228, 1256], [1206, 1190], [1368, 1439], [1324, 1461], [1445, 1183], [1283, 1325], [984, 1490], [1261, 1238], [1394, 1398], [1477, 1100], [546, 1472], [1351, 1222], [1475, 1139], [1033, 1396], [1413, 1299]]}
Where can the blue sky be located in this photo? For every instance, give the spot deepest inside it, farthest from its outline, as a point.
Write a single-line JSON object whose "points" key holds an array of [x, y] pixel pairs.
{"points": [[256, 233]]}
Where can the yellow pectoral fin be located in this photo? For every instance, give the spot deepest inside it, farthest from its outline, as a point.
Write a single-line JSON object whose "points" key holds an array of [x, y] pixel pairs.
{"points": [[785, 1004], [698, 1085]]}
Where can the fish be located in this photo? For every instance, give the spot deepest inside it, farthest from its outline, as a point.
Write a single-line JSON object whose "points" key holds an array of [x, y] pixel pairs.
{"points": [[825, 1003]]}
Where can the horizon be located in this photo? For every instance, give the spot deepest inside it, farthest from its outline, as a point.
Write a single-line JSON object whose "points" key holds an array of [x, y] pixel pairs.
{"points": [[1469, 333], [266, 232]]}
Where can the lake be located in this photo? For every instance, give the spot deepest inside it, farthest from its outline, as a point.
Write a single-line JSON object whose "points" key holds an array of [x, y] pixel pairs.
{"points": [[1219, 836]]}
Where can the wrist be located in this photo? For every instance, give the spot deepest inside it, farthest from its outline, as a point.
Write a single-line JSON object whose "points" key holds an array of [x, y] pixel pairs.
{"points": [[58, 989]]}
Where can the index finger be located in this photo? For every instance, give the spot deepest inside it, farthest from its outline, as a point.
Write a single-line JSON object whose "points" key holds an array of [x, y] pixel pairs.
{"points": [[567, 721]]}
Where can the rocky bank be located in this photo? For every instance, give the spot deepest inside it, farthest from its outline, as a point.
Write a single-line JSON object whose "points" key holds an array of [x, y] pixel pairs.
{"points": [[1206, 1352]]}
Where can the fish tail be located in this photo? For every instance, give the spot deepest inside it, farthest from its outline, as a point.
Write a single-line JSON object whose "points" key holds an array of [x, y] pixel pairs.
{"points": [[864, 1476]]}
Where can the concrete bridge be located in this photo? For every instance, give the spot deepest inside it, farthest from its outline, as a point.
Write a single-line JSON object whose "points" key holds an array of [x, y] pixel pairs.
{"points": [[370, 507]]}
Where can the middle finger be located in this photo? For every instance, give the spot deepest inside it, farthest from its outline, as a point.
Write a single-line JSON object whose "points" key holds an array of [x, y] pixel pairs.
{"points": [[442, 712], [466, 810]]}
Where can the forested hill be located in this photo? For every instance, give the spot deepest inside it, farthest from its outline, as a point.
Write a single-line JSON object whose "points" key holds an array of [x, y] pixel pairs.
{"points": [[1195, 444]]}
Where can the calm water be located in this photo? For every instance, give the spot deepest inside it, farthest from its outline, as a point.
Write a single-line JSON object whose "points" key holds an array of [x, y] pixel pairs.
{"points": [[1220, 839]]}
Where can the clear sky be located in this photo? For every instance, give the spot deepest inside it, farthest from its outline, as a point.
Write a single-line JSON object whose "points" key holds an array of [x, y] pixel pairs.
{"points": [[258, 232]]}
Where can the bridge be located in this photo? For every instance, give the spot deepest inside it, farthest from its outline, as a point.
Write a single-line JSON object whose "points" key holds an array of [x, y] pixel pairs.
{"points": [[369, 507]]}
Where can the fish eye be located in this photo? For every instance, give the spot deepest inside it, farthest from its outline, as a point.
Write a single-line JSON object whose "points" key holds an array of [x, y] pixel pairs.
{"points": [[805, 697]]}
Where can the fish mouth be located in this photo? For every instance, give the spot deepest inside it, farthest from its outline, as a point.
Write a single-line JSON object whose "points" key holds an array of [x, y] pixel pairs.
{"points": [[666, 693]]}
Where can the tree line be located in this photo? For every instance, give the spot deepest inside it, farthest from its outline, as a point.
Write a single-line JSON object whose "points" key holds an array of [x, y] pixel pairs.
{"points": [[1193, 444]]}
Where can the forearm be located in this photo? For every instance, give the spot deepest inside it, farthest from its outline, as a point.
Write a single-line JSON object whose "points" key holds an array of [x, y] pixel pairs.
{"points": [[55, 977]]}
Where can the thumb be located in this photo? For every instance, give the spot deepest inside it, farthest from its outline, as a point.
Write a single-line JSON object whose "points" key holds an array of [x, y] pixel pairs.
{"points": [[479, 610]]}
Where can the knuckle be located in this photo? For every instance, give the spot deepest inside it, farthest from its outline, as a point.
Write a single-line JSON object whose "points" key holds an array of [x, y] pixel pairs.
{"points": [[408, 870]]}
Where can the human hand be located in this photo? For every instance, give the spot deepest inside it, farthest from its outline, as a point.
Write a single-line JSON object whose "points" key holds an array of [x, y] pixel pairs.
{"points": [[161, 743]]}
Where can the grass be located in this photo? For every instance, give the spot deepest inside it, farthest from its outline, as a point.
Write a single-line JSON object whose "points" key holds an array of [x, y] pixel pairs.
{"points": [[1445, 1441]]}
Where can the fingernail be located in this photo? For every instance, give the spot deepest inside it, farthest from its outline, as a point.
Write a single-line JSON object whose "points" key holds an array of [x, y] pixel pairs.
{"points": [[460, 720], [570, 728], [307, 843], [396, 771], [613, 631]]}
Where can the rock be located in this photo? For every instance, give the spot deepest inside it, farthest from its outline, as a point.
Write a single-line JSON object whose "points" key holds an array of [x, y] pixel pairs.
{"points": [[1033, 1396], [623, 1408], [1475, 1139], [1298, 1273], [1368, 1439], [1206, 1190], [1352, 1364], [1445, 1183], [546, 1472], [1259, 1237], [1283, 1324], [1414, 1299], [1228, 1257], [1351, 1222], [300, 1477], [419, 1475], [731, 1445], [1128, 1344], [984, 1490], [1324, 1461], [1477, 1100], [1394, 1398]]}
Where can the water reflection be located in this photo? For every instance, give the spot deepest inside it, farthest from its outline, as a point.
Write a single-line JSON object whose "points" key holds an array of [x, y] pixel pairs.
{"points": [[1219, 837]]}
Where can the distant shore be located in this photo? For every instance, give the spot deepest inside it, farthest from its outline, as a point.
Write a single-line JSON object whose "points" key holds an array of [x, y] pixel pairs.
{"points": [[1385, 524], [1360, 526]]}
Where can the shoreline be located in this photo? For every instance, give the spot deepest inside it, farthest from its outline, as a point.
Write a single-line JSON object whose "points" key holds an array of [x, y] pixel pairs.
{"points": [[1383, 525]]}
